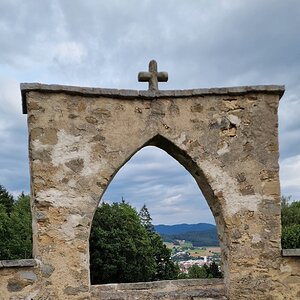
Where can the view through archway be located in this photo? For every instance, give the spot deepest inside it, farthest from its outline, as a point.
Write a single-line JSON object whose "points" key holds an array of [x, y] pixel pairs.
{"points": [[178, 211]]}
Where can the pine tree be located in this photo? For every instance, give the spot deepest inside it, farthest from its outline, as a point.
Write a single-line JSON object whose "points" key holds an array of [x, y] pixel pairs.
{"points": [[15, 229], [146, 219], [165, 268], [6, 199]]}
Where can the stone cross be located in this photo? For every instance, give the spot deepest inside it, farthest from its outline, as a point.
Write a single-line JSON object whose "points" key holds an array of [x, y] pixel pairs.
{"points": [[153, 77]]}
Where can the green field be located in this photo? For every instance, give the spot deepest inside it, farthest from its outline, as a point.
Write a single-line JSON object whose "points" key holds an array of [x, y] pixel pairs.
{"points": [[194, 251]]}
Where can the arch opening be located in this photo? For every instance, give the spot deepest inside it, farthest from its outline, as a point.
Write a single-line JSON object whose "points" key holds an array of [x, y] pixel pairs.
{"points": [[143, 184]]}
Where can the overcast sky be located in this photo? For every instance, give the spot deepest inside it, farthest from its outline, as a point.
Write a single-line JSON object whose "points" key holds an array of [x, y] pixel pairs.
{"points": [[200, 43]]}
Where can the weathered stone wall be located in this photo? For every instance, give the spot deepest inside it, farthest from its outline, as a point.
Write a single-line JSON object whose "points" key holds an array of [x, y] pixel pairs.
{"points": [[19, 278], [226, 138], [188, 289]]}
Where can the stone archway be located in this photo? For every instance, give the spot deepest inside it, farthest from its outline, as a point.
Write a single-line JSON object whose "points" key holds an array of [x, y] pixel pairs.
{"points": [[226, 138], [193, 169]]}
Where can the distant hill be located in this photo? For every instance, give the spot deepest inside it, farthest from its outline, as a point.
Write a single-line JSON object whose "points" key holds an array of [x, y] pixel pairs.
{"points": [[201, 234], [182, 228]]}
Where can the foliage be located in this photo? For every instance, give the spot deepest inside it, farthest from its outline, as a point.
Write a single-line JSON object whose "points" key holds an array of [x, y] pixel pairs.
{"points": [[123, 248], [15, 227], [165, 268], [6, 199], [182, 276], [197, 238], [120, 250], [146, 219], [291, 236], [211, 271], [196, 271], [290, 212], [290, 219]]}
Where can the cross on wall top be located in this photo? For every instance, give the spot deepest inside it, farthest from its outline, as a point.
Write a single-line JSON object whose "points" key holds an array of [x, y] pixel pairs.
{"points": [[152, 76]]}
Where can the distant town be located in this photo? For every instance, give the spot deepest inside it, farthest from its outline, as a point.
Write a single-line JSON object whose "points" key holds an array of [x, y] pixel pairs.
{"points": [[186, 255], [191, 244]]}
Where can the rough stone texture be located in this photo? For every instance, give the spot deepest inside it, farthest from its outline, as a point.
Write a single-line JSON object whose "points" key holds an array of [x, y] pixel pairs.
{"points": [[149, 94], [226, 138], [291, 252], [19, 280], [18, 263], [189, 289]]}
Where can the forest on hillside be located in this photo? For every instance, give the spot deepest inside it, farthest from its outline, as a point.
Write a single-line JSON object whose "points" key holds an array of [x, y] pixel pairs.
{"points": [[197, 238]]}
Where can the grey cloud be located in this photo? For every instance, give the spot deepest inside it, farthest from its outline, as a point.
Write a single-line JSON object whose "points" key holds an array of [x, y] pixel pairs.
{"points": [[289, 123], [289, 111], [13, 135], [24, 25], [216, 43], [290, 176], [106, 43], [154, 178]]}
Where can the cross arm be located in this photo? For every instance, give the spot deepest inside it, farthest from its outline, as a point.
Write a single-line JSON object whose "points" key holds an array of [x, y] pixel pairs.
{"points": [[144, 76], [162, 76]]}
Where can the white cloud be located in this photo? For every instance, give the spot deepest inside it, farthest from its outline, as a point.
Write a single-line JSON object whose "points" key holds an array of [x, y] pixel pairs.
{"points": [[10, 98], [290, 176], [69, 52], [156, 179]]}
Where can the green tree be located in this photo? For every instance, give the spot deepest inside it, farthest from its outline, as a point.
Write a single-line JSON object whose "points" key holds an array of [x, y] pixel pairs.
{"points": [[15, 230], [290, 212], [291, 237], [146, 219], [120, 248], [124, 247], [290, 219], [22, 227], [196, 271], [165, 267], [213, 271], [6, 199], [4, 232], [183, 276]]}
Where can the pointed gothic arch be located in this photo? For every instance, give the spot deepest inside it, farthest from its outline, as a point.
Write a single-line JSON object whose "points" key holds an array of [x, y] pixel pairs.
{"points": [[183, 158], [226, 138], [160, 143], [189, 163]]}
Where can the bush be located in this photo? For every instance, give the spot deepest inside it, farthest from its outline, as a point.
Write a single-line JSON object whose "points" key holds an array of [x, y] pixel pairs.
{"points": [[290, 220], [211, 271], [291, 237]]}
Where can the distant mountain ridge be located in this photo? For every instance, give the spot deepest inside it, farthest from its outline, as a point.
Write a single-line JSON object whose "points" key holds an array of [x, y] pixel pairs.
{"points": [[200, 235], [183, 228]]}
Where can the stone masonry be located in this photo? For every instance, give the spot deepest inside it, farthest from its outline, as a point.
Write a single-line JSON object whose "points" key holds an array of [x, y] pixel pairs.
{"points": [[189, 289], [227, 138]]}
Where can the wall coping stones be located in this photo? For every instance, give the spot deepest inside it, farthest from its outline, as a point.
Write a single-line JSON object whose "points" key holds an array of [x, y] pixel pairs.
{"points": [[165, 289], [291, 252], [161, 283], [145, 94], [17, 263]]}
